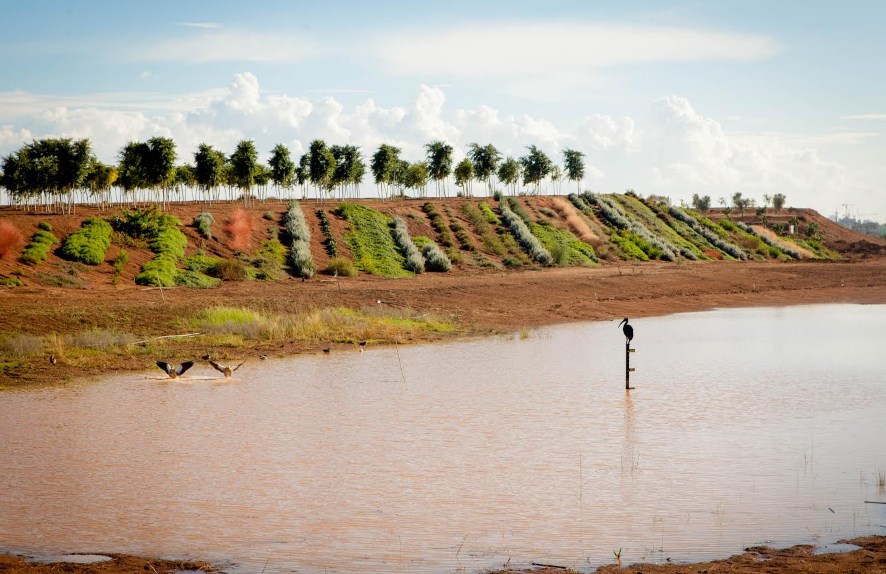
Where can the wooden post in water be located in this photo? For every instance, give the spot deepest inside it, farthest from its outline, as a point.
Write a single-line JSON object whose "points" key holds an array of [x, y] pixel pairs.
{"points": [[628, 368]]}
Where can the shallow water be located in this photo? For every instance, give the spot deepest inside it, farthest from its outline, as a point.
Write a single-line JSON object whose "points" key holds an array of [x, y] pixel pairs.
{"points": [[746, 426]]}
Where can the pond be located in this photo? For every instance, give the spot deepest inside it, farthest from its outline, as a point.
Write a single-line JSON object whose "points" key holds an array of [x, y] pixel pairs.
{"points": [[746, 426]]}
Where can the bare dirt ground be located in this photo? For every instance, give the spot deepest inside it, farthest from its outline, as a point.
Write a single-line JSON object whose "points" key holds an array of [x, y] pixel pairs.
{"points": [[870, 559]]}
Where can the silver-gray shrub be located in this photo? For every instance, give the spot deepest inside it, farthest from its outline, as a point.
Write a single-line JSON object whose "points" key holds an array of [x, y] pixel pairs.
{"points": [[415, 261], [435, 259], [768, 241], [714, 239], [300, 235], [203, 222], [529, 241], [616, 216]]}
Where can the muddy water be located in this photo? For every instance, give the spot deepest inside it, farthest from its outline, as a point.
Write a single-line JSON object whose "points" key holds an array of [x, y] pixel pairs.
{"points": [[746, 426]]}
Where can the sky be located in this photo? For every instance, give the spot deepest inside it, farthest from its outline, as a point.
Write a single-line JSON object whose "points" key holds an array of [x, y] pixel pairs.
{"points": [[667, 98]]}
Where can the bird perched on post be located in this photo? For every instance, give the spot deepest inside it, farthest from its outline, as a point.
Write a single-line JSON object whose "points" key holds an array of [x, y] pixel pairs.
{"points": [[174, 372], [627, 330], [227, 371]]}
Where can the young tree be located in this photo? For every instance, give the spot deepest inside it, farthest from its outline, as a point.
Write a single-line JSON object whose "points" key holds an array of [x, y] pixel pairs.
{"points": [[415, 176], [702, 204], [244, 163], [321, 167], [384, 165], [536, 166], [439, 163], [573, 162], [778, 201], [509, 174], [349, 167], [464, 175], [209, 169], [282, 167], [132, 169], [485, 159]]}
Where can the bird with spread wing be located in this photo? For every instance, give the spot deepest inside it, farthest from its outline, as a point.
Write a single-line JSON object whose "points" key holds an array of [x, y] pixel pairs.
{"points": [[173, 371], [227, 371]]}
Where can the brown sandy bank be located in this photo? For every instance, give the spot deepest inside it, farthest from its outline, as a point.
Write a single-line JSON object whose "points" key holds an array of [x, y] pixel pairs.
{"points": [[478, 304], [870, 559]]}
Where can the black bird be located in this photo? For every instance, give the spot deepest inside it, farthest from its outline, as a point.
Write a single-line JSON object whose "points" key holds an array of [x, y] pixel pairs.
{"points": [[227, 371], [627, 329], [175, 372]]}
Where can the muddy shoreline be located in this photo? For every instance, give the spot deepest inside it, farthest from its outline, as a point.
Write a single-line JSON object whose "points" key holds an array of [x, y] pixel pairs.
{"points": [[870, 558], [479, 304]]}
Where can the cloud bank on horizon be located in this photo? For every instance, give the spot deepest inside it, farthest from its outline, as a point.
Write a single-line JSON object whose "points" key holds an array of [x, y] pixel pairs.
{"points": [[650, 103]]}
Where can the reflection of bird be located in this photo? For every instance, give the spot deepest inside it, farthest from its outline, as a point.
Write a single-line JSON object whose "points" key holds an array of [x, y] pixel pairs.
{"points": [[362, 346], [262, 357], [175, 372], [228, 371], [327, 350], [627, 330]]}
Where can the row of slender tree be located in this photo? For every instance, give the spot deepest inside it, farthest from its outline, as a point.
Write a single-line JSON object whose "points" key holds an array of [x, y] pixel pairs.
{"points": [[50, 171]]}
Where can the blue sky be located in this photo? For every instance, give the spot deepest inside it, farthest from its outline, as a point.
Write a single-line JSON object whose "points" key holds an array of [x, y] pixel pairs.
{"points": [[669, 98]]}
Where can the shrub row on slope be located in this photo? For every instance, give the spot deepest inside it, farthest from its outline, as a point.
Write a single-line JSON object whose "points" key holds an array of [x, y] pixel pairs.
{"points": [[300, 236], [370, 240], [89, 243], [712, 237], [524, 236], [41, 242]]}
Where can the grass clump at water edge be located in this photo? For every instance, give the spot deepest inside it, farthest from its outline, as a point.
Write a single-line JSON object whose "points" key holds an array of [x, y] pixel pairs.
{"points": [[338, 325]]}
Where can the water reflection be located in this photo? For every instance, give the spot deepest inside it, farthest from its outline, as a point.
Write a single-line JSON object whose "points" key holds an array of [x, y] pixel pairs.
{"points": [[745, 426]]}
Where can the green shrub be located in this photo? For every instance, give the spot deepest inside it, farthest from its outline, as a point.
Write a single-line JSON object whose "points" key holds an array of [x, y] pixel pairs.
{"points": [[439, 224], [511, 261], [628, 248], [371, 242], [329, 242], [120, 262], [89, 243], [268, 261], [169, 241], [565, 248], [269, 215], [158, 272], [45, 226], [38, 249], [145, 223], [188, 278], [200, 263], [203, 222], [341, 266], [518, 209], [488, 214], [11, 282], [229, 270]]}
